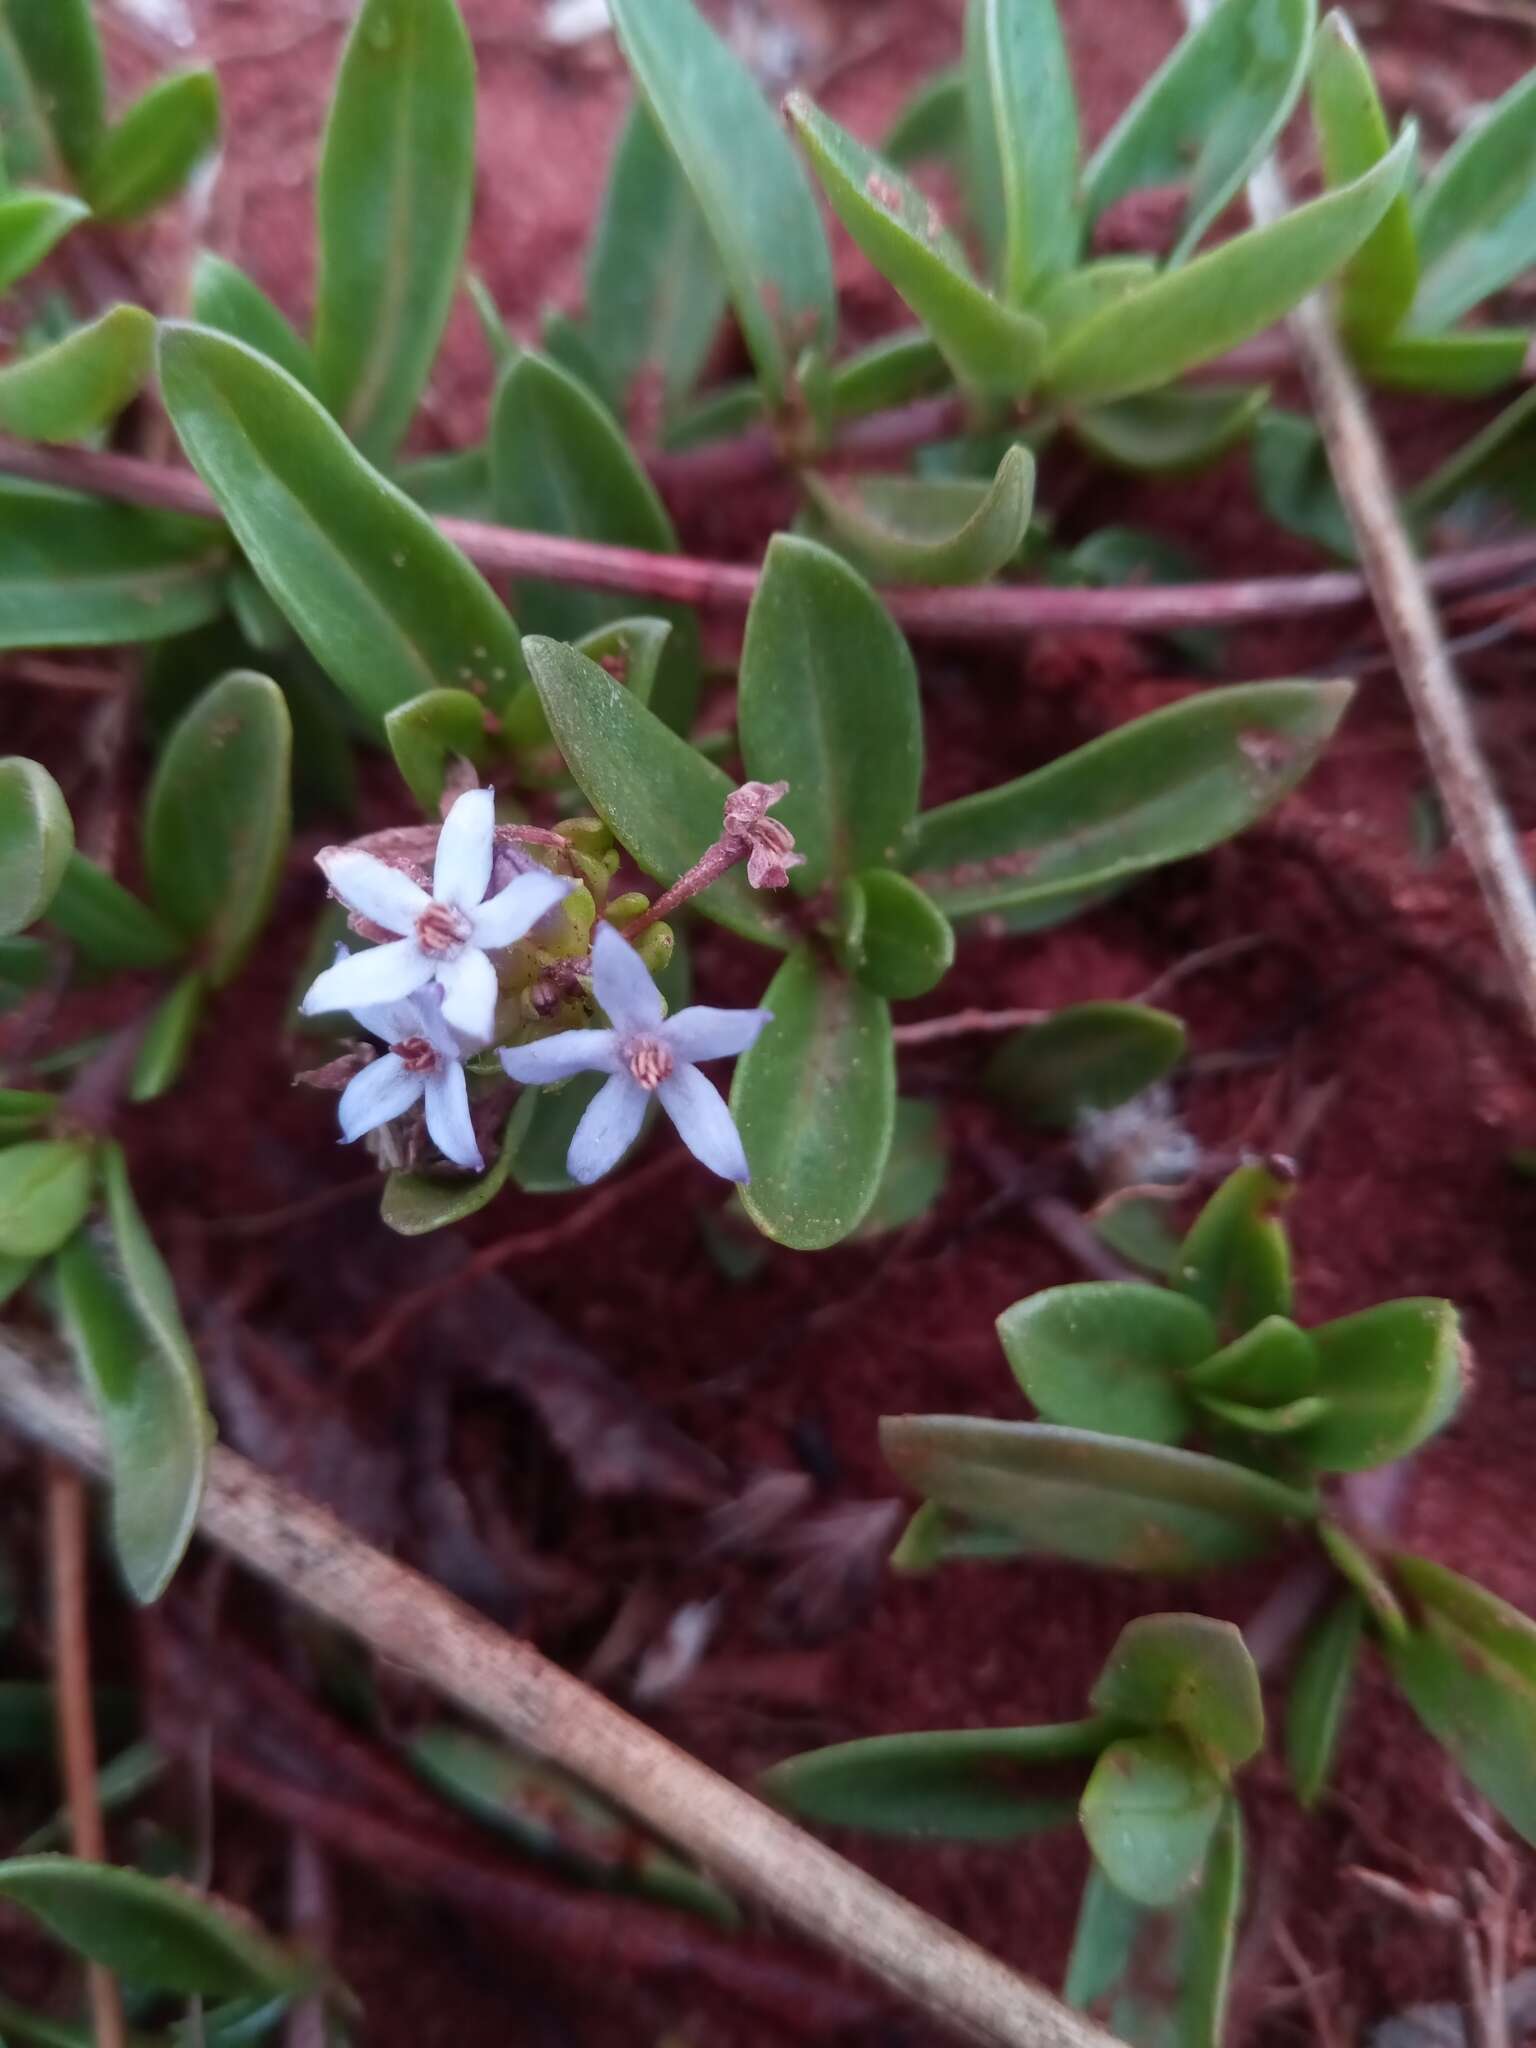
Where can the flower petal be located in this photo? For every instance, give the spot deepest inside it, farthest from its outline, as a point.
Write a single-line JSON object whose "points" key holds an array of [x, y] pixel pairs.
{"points": [[703, 1122], [464, 850], [448, 1119], [384, 974], [383, 1090], [701, 1033], [608, 1129], [562, 1054], [509, 916], [622, 983], [373, 887], [428, 1022], [469, 993]]}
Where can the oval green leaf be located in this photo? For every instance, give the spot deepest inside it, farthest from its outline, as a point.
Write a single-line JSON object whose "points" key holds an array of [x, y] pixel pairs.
{"points": [[913, 530], [827, 700], [31, 223], [1169, 433], [1236, 1259], [931, 123], [658, 796], [217, 819], [415, 1204], [392, 206], [1462, 365], [1149, 1811], [37, 837], [224, 298], [150, 1930], [45, 1191], [1021, 94], [906, 944], [1089, 1056], [1382, 276], [78, 572], [52, 86], [69, 390], [560, 464], [1475, 215], [147, 156], [815, 1102], [1159, 789], [384, 603], [111, 927], [1097, 1499], [163, 1052], [1271, 1365], [989, 345], [890, 372], [752, 193], [916, 1168], [1210, 305], [1319, 1695], [972, 1785], [1209, 114], [1188, 1672], [1294, 479], [630, 650], [1106, 1355], [432, 730], [1392, 1376]]}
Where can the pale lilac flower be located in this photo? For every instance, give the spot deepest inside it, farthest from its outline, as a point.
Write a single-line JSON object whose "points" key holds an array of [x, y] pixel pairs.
{"points": [[644, 1054], [425, 1063], [445, 936]]}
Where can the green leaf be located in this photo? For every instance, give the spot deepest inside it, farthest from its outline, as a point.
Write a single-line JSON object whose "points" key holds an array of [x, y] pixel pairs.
{"points": [[150, 1930], [890, 372], [752, 193], [1211, 112], [828, 700], [1171, 432], [660, 798], [52, 85], [1211, 304], [1159, 789], [1105, 1355], [416, 1203], [1268, 1366], [31, 223], [630, 650], [392, 206], [25, 1109], [1287, 1420], [1475, 215], [1098, 1499], [916, 1168], [560, 464], [217, 819], [384, 603], [1210, 1935], [1361, 1569], [1073, 300], [111, 927], [1149, 1811], [1020, 86], [1469, 1672], [931, 123], [1236, 1259], [1392, 1376], [1463, 365], [728, 409], [972, 1785], [163, 1052], [989, 345], [1294, 479], [69, 390], [78, 572], [1379, 281], [146, 157], [912, 530], [814, 1100], [1089, 1056], [45, 1190], [1319, 1695], [906, 946], [37, 837], [452, 486], [428, 733], [655, 294], [224, 298], [551, 1816], [1187, 1672]]}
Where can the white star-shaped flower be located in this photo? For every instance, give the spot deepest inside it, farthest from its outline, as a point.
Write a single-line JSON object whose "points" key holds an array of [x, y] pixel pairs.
{"points": [[644, 1054], [425, 1063], [445, 936]]}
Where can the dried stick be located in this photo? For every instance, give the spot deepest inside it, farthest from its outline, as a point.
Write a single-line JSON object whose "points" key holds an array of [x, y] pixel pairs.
{"points": [[311, 1557], [1399, 588], [68, 1531], [984, 612]]}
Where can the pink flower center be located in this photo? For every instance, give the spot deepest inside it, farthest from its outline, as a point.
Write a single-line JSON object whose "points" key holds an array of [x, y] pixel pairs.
{"points": [[649, 1060], [441, 929], [418, 1055]]}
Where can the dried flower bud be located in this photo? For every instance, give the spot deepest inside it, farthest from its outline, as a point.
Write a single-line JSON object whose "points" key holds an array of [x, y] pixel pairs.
{"points": [[771, 846]]}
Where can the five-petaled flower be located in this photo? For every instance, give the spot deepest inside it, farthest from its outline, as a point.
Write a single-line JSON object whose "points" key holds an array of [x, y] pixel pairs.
{"points": [[446, 936], [644, 1054], [425, 1063]]}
